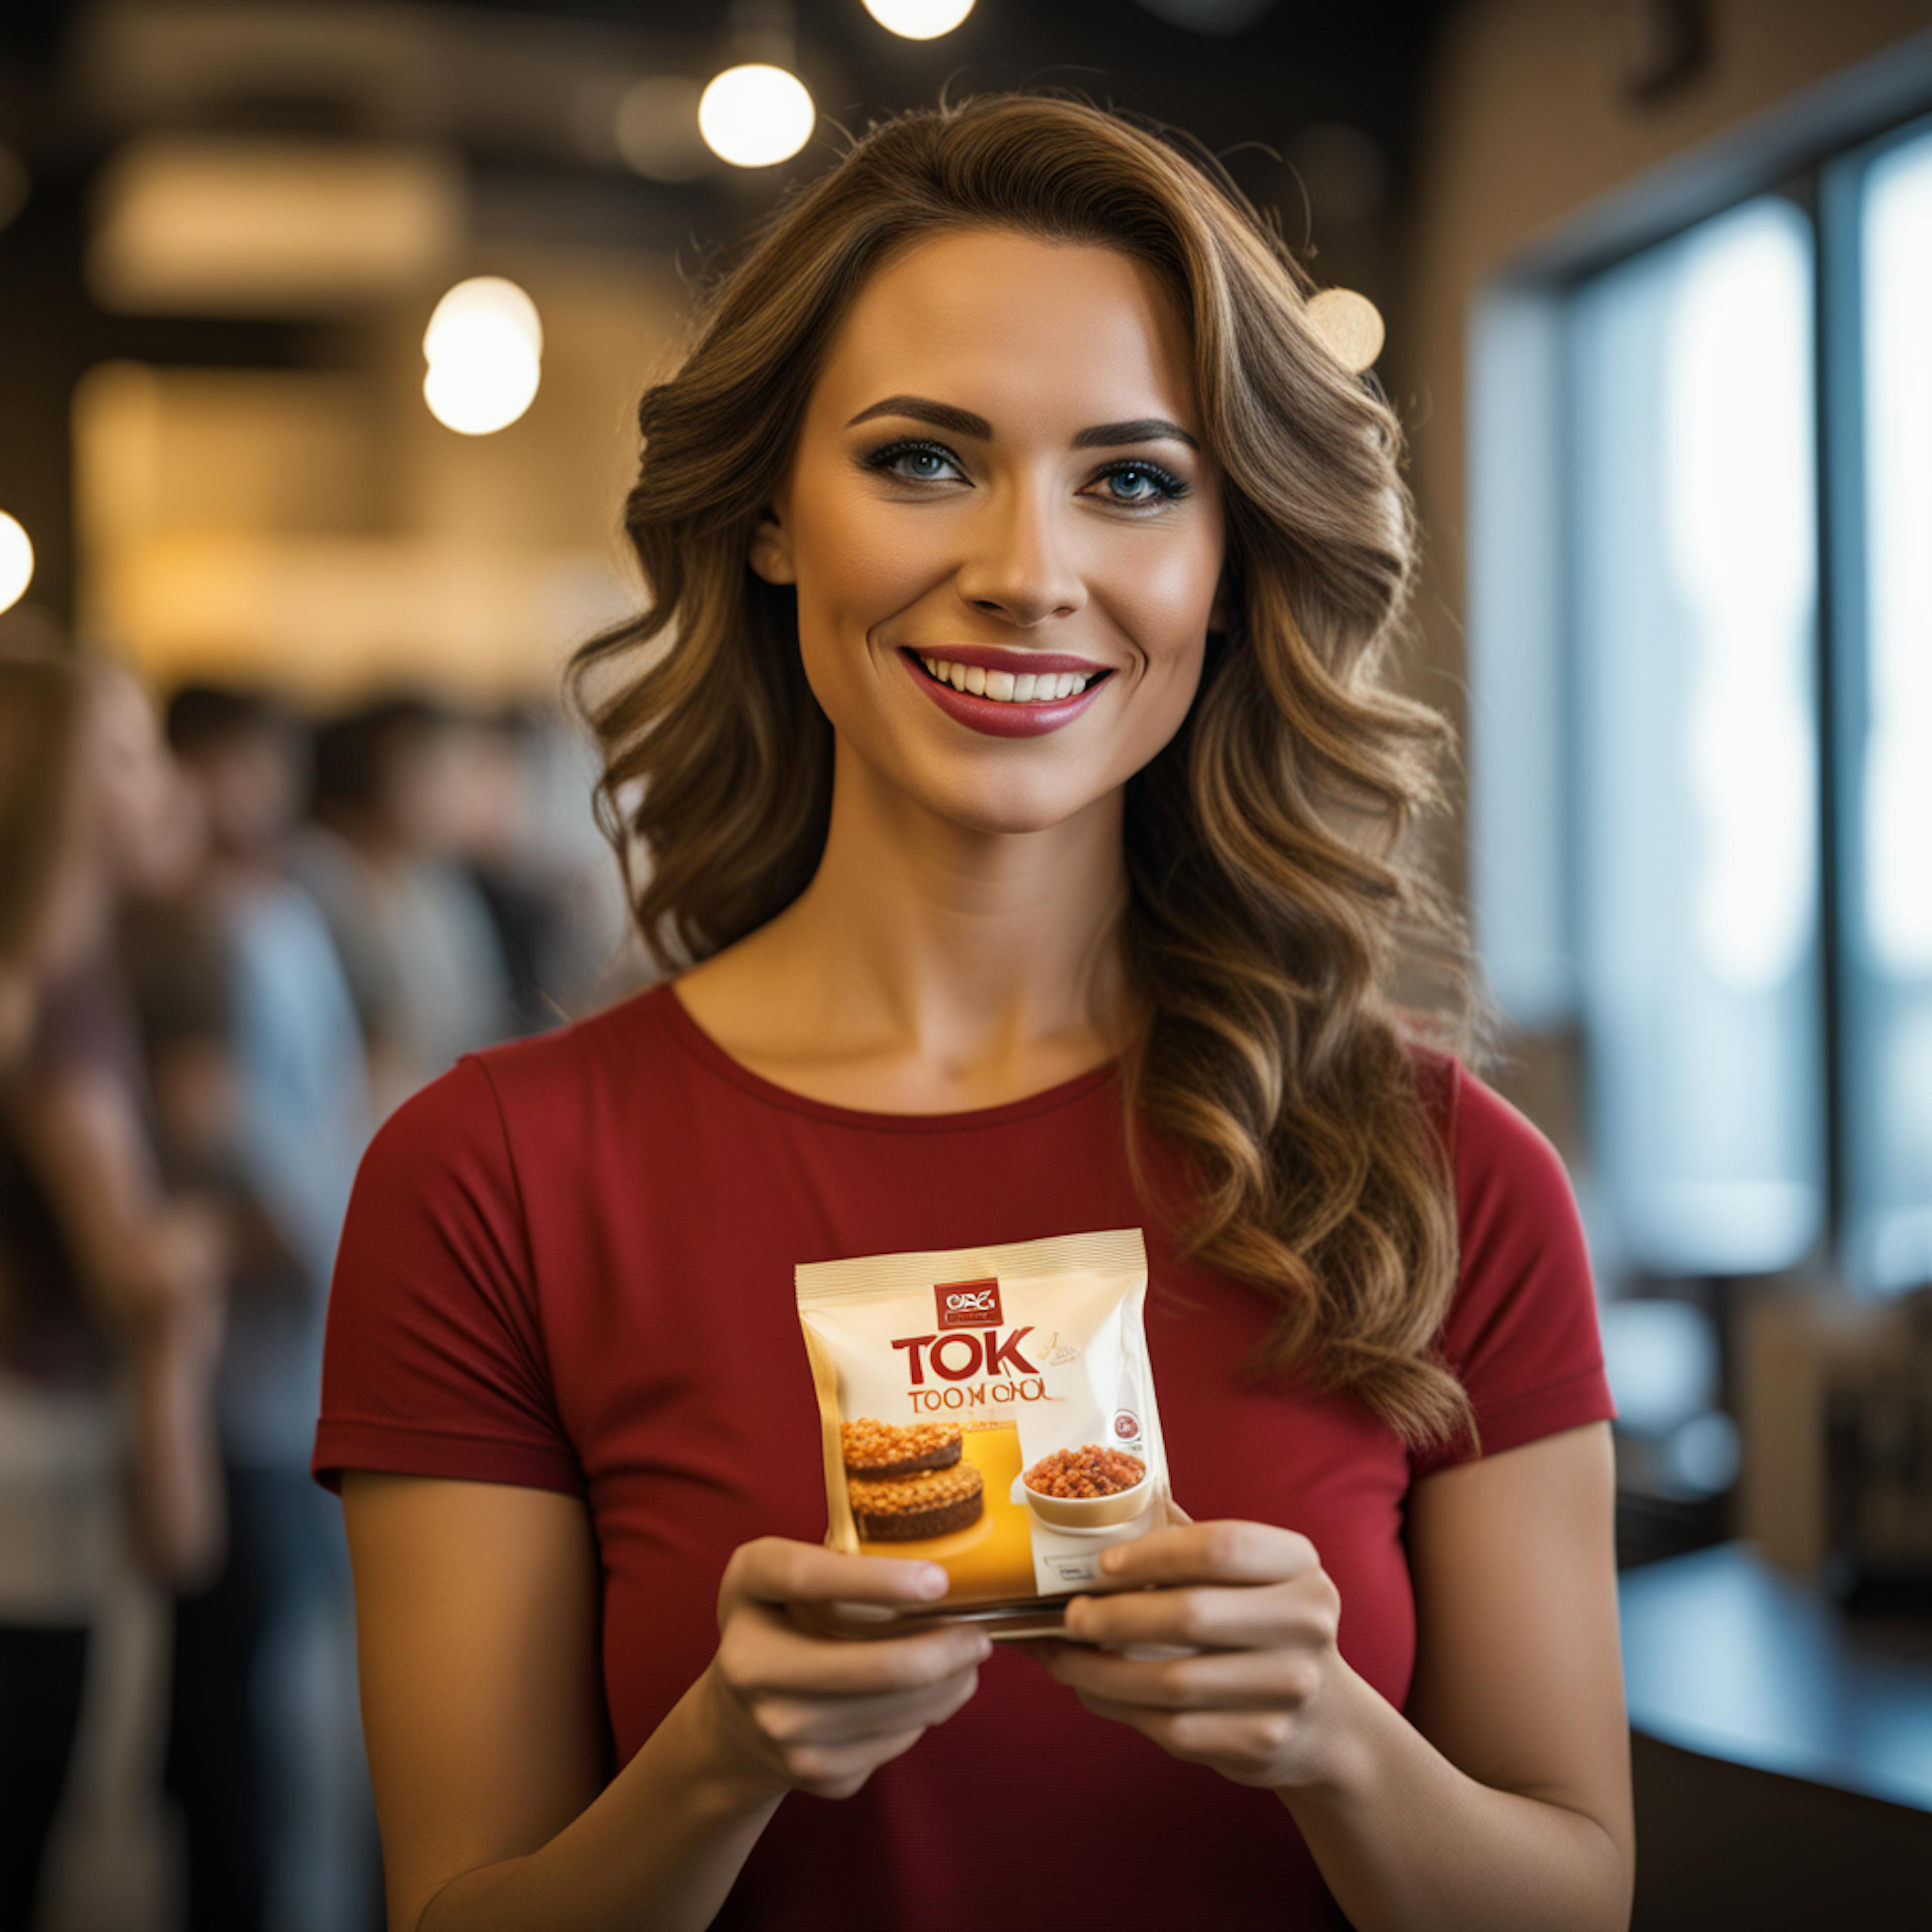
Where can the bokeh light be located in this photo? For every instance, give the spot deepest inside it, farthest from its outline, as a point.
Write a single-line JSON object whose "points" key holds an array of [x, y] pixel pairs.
{"points": [[483, 346], [489, 296], [754, 115], [656, 128], [919, 19], [16, 561]]}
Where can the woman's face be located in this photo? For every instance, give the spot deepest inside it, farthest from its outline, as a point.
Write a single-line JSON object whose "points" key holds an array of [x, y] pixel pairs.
{"points": [[1001, 474]]}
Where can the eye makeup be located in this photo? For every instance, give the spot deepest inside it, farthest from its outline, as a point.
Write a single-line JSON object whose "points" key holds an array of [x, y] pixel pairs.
{"points": [[1168, 487]]}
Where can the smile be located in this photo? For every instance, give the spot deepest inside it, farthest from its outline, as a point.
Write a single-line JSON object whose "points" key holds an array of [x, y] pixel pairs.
{"points": [[993, 697], [1005, 687]]}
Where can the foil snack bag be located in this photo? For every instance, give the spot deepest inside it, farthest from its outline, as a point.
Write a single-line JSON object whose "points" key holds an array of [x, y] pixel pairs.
{"points": [[991, 1410]]}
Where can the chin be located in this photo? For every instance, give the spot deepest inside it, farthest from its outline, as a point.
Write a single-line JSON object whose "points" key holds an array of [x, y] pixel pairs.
{"points": [[1007, 802]]}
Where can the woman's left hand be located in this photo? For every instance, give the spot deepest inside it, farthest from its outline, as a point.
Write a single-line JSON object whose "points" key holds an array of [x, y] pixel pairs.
{"points": [[1263, 1697]]}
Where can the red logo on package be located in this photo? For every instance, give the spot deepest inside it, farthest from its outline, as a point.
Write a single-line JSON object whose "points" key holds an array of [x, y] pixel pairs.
{"points": [[968, 1304]]}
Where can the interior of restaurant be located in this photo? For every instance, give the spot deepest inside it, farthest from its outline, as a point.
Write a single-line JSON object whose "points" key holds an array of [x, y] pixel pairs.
{"points": [[322, 328]]}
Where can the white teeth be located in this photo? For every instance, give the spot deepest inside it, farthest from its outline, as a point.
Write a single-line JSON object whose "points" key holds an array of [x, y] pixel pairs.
{"points": [[1004, 686]]}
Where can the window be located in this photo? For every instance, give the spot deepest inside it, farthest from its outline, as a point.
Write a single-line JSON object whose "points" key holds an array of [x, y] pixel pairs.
{"points": [[1701, 643], [1885, 686], [1694, 721]]}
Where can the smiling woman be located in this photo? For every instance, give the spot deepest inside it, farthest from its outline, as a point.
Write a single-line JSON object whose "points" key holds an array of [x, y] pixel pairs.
{"points": [[1023, 537], [1005, 750], [1083, 288]]}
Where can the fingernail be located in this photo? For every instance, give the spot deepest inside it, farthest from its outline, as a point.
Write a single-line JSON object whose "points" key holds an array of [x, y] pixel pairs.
{"points": [[1110, 1560], [932, 1581]]}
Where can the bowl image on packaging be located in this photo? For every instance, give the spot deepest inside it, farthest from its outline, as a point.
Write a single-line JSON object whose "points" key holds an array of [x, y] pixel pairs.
{"points": [[1087, 1467]]}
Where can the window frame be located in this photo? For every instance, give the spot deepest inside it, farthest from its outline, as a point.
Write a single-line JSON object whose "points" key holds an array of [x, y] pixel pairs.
{"points": [[1525, 805]]}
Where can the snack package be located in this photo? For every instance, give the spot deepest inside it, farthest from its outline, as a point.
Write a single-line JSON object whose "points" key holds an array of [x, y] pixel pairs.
{"points": [[991, 1410]]}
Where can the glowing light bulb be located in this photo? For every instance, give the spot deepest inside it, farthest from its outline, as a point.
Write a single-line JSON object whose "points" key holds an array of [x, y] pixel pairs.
{"points": [[919, 19], [484, 345], [487, 295], [755, 115], [16, 561], [483, 384]]}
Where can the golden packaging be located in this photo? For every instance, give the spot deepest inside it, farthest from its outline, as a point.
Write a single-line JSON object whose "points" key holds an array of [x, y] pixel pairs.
{"points": [[991, 1410]]}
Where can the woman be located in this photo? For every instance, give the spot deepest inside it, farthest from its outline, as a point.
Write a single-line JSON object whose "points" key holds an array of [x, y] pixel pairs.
{"points": [[105, 1278], [1017, 391], [42, 1634]]}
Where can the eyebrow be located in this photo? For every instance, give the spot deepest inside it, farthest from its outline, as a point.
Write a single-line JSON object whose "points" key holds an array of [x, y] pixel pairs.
{"points": [[964, 422]]}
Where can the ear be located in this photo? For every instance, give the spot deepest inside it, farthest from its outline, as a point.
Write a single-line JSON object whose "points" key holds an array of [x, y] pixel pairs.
{"points": [[771, 549]]}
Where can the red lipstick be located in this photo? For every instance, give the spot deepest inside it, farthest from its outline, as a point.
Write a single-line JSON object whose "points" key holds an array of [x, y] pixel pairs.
{"points": [[1024, 718]]}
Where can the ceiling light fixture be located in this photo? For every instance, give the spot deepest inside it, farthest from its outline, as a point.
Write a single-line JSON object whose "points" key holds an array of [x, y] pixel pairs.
{"points": [[756, 115], [483, 346], [16, 561], [918, 19]]}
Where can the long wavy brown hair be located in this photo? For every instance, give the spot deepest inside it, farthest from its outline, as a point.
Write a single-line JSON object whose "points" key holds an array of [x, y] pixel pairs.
{"points": [[1272, 892]]}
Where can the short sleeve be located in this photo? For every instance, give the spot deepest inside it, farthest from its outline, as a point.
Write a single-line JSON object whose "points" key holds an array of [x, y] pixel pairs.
{"points": [[434, 1363], [1523, 1335]]}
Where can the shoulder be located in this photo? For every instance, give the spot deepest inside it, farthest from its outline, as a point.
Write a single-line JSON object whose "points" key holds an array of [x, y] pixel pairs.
{"points": [[1501, 1160], [623, 1049], [535, 1072], [1521, 1332], [535, 1104]]}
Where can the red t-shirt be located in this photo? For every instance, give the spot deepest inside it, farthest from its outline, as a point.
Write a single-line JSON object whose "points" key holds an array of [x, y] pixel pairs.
{"points": [[568, 1264]]}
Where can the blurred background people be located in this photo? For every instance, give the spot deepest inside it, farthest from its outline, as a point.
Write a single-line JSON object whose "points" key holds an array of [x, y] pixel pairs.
{"points": [[490, 812], [254, 1038], [111, 1288], [50, 1415], [380, 857]]}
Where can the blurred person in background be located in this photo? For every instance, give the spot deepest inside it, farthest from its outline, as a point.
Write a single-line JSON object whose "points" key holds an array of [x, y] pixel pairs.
{"points": [[111, 1287], [490, 818], [382, 859], [545, 867], [44, 830], [257, 1054]]}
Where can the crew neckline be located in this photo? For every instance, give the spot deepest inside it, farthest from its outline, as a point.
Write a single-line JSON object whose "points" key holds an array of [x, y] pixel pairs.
{"points": [[695, 1039]]}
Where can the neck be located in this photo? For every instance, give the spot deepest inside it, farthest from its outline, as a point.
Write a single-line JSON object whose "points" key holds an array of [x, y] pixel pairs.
{"points": [[971, 961]]}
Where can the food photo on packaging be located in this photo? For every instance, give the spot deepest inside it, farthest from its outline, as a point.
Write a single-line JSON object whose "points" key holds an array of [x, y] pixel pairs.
{"points": [[991, 1410]]}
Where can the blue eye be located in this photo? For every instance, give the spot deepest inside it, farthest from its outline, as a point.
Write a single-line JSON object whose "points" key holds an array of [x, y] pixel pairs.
{"points": [[1133, 483], [927, 460], [1149, 484]]}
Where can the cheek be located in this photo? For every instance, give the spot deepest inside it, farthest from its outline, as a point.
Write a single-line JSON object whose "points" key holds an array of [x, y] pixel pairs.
{"points": [[1161, 599], [856, 569]]}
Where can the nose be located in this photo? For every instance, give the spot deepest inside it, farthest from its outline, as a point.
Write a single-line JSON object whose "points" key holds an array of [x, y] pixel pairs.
{"points": [[1018, 566]]}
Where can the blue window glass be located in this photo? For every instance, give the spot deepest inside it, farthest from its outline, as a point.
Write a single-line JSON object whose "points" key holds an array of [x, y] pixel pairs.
{"points": [[1887, 945], [1689, 392]]}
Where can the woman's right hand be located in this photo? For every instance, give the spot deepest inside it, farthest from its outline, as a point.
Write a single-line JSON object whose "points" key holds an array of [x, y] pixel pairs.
{"points": [[798, 1708]]}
